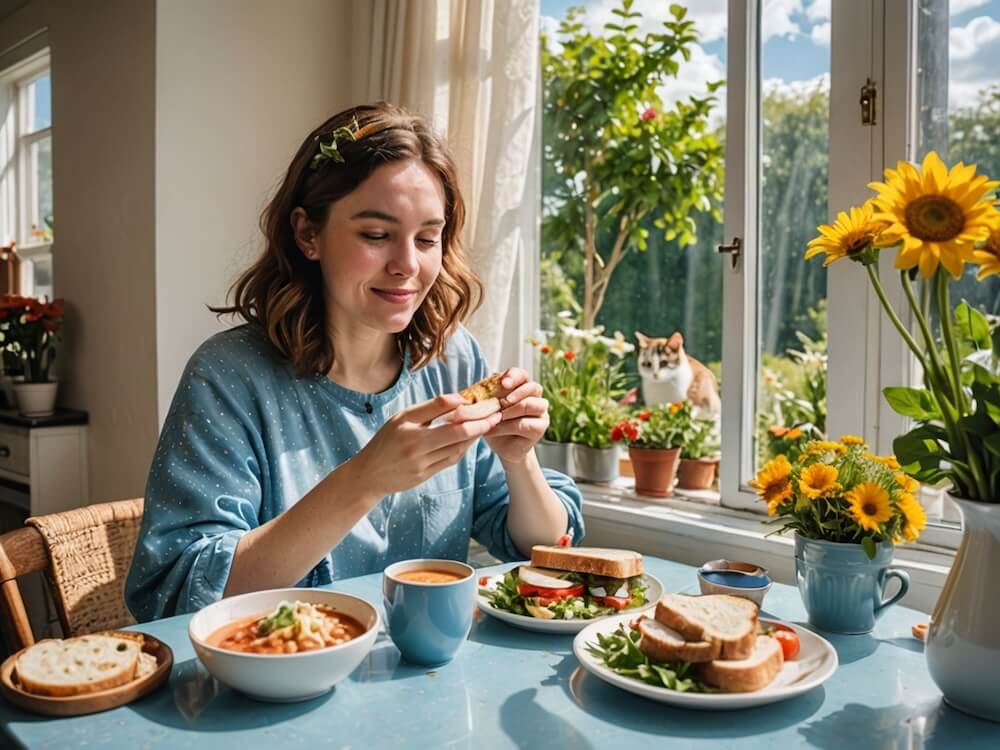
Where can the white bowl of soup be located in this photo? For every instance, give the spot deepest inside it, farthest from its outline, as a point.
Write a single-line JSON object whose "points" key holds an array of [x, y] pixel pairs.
{"points": [[284, 644]]}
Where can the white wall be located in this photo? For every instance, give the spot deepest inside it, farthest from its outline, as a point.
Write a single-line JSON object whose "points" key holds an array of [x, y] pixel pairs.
{"points": [[239, 84]]}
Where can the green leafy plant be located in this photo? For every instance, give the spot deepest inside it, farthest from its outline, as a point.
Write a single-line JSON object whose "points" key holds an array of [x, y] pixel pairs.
{"points": [[614, 153], [661, 427], [698, 439], [582, 375]]}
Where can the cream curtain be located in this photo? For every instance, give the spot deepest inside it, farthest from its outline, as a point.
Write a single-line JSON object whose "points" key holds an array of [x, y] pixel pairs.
{"points": [[471, 68]]}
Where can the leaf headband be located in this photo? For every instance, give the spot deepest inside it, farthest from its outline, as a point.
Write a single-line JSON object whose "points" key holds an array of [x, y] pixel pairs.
{"points": [[331, 151]]}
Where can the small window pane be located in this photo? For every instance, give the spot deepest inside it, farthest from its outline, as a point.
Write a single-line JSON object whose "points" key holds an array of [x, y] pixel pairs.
{"points": [[41, 164], [39, 114]]}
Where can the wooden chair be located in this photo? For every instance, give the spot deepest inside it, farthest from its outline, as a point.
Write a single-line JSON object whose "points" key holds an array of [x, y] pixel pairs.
{"points": [[85, 554]]}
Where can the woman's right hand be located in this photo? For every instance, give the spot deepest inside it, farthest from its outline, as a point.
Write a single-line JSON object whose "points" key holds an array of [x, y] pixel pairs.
{"points": [[408, 450]]}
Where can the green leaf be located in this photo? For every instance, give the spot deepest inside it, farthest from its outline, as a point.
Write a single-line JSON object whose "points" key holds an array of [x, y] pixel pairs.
{"points": [[916, 403], [283, 617], [868, 545], [973, 325]]}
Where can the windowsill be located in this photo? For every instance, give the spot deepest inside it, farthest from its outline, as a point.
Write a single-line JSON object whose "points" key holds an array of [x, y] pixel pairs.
{"points": [[692, 527]]}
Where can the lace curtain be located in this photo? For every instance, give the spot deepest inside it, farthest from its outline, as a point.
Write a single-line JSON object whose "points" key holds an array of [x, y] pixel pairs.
{"points": [[471, 68]]}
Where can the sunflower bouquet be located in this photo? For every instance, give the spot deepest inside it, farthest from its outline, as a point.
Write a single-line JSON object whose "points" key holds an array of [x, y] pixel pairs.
{"points": [[940, 220], [839, 492]]}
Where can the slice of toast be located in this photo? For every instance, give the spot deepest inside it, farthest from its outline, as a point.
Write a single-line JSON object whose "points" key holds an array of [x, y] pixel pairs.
{"points": [[730, 621], [745, 675], [75, 666], [487, 388], [662, 644], [483, 399], [612, 563]]}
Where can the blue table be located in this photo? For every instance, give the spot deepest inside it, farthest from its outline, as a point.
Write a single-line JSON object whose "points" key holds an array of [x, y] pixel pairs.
{"points": [[514, 688]]}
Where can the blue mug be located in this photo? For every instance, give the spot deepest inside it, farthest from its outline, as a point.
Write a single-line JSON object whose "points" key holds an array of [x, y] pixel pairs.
{"points": [[428, 621], [842, 590]]}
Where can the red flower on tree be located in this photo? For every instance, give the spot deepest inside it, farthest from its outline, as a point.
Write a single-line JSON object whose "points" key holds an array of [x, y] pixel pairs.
{"points": [[648, 114]]}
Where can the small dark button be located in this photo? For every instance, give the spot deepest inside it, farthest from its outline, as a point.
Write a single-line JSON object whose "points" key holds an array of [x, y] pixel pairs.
{"points": [[368, 407]]}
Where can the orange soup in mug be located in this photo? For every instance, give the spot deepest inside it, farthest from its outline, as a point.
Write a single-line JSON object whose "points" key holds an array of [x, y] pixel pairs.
{"points": [[429, 575]]}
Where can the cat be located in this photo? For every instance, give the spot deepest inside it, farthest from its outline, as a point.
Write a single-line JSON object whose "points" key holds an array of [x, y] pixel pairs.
{"points": [[669, 375]]}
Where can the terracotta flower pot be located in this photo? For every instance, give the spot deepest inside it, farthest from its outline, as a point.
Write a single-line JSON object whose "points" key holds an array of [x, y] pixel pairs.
{"points": [[655, 470], [696, 473]]}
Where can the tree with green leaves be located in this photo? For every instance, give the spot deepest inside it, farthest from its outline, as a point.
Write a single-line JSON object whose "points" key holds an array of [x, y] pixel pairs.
{"points": [[614, 154]]}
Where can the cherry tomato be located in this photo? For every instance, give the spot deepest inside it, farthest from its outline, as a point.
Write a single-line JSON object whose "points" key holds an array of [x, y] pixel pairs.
{"points": [[789, 641], [564, 541], [484, 581], [612, 601]]}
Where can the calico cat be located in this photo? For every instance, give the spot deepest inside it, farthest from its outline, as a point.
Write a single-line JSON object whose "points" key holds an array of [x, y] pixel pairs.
{"points": [[668, 375]]}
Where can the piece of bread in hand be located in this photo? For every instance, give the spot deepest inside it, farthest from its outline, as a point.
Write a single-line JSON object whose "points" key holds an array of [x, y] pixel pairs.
{"points": [[745, 675], [483, 398], [662, 644], [612, 563], [75, 666], [729, 621]]}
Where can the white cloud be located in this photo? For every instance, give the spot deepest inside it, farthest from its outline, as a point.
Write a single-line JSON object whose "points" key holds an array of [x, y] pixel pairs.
{"points": [[777, 19], [958, 7], [820, 34], [819, 10], [695, 74], [797, 89], [972, 50]]}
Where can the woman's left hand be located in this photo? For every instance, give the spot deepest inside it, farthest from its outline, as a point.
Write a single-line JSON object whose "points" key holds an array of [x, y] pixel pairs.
{"points": [[524, 419]]}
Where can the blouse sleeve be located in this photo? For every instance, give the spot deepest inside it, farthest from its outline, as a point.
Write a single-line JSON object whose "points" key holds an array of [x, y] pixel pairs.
{"points": [[492, 495], [202, 495]]}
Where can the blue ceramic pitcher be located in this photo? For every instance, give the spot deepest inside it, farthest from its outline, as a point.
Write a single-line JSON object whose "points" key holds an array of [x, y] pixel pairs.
{"points": [[842, 590]]}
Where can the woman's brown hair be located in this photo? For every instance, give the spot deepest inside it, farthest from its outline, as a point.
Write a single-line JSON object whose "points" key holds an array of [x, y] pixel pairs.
{"points": [[283, 290]]}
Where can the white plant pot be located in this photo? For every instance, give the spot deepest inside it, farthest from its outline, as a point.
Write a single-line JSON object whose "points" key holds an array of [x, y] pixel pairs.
{"points": [[557, 456], [36, 399]]}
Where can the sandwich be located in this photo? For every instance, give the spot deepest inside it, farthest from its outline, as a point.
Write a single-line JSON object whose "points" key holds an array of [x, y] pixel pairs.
{"points": [[717, 635], [566, 583], [483, 399]]}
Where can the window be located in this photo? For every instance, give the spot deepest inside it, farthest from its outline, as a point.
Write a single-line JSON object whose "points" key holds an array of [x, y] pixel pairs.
{"points": [[796, 153], [26, 206]]}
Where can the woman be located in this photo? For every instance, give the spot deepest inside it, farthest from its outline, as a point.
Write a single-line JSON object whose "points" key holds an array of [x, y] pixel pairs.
{"points": [[320, 440]]}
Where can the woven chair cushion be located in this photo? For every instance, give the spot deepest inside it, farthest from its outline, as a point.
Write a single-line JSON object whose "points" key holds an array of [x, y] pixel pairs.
{"points": [[90, 550]]}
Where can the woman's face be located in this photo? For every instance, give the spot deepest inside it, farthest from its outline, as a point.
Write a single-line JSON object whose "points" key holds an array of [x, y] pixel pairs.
{"points": [[380, 249]]}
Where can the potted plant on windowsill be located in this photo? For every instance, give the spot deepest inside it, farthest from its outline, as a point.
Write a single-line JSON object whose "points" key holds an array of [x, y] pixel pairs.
{"points": [[580, 372], [29, 329], [653, 438], [941, 219], [847, 508], [699, 452]]}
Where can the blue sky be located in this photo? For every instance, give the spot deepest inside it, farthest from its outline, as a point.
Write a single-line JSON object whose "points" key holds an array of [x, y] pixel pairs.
{"points": [[796, 34]]}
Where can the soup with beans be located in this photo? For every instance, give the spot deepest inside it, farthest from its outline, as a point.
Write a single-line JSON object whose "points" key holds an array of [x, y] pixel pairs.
{"points": [[430, 576], [290, 629]]}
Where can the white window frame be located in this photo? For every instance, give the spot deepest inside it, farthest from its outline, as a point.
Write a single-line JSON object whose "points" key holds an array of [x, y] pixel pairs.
{"points": [[21, 200], [870, 39]]}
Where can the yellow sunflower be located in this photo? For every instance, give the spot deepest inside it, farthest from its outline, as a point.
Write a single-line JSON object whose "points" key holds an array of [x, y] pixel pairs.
{"points": [[915, 519], [869, 505], [773, 482], [888, 461], [908, 483], [851, 440], [937, 215], [848, 236], [988, 256], [816, 447], [818, 480]]}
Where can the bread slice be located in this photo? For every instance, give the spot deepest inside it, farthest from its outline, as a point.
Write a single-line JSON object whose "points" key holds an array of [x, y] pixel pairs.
{"points": [[730, 621], [80, 665], [662, 644], [483, 398], [613, 563], [745, 675]]}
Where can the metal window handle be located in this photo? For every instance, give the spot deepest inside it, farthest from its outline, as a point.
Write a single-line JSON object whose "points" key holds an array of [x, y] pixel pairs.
{"points": [[868, 97], [733, 248], [4, 451]]}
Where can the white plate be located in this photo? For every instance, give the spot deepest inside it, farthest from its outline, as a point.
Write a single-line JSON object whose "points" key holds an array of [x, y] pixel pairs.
{"points": [[654, 590], [816, 661]]}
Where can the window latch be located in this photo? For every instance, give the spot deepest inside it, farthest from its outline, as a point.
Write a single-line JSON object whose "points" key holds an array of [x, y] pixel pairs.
{"points": [[868, 94], [733, 249]]}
